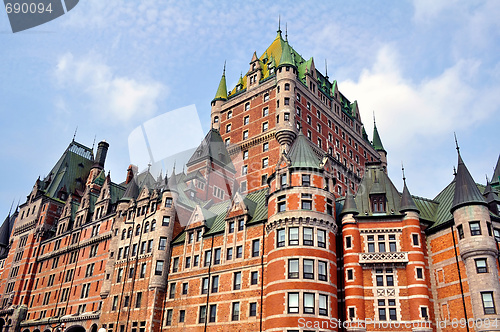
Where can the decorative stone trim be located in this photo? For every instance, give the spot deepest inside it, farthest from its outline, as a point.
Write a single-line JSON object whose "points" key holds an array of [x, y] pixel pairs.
{"points": [[381, 230], [24, 228], [74, 247], [470, 252], [383, 257], [281, 222], [264, 137]]}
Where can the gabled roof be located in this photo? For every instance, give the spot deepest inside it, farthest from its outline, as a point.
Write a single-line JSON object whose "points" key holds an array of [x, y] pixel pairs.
{"points": [[466, 191], [214, 149], [301, 153]]}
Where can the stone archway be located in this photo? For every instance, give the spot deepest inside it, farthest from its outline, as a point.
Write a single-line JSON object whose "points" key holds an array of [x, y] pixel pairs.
{"points": [[75, 328]]}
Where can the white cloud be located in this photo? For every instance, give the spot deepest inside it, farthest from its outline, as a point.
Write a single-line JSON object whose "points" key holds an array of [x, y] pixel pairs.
{"points": [[119, 97]]}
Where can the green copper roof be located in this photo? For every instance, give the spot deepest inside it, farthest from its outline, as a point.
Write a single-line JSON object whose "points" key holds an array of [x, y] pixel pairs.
{"points": [[222, 89], [377, 142], [466, 191], [349, 205], [286, 56], [301, 153]]}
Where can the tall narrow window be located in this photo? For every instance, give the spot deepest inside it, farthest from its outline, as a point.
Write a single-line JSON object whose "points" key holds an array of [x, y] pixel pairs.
{"points": [[293, 303], [293, 236], [308, 269], [293, 268], [321, 238], [280, 238], [322, 271], [308, 303], [488, 303], [323, 305], [255, 248], [308, 236], [237, 281], [236, 311]]}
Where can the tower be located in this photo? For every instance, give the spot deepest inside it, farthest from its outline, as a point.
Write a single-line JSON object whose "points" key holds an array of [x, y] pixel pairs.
{"points": [[219, 99]]}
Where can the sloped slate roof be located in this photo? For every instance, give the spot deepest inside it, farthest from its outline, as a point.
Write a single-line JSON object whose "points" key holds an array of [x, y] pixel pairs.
{"points": [[213, 148], [407, 203], [496, 174], [466, 191], [301, 153], [377, 142]]}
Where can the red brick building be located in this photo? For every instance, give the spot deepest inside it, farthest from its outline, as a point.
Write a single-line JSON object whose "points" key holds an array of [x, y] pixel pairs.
{"points": [[262, 232]]}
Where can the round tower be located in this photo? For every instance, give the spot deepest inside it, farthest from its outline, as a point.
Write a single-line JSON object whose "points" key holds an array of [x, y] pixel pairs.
{"points": [[219, 100], [300, 242], [286, 75]]}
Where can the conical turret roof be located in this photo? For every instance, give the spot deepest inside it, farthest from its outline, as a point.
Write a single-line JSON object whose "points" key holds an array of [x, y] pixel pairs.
{"points": [[301, 153], [221, 93], [377, 142], [132, 191], [4, 232], [349, 205], [466, 191], [286, 56], [407, 202]]}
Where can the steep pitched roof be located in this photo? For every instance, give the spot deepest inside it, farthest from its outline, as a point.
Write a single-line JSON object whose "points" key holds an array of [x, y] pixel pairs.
{"points": [[132, 190], [349, 205], [286, 56], [5, 232], [496, 174], [407, 203], [221, 93], [377, 142], [466, 191], [214, 149], [301, 153]]}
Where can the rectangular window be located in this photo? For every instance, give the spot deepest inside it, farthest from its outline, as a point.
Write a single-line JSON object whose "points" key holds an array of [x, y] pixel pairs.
{"points": [[265, 126], [237, 281], [246, 120], [280, 238], [143, 270], [306, 201], [308, 303], [217, 254], [488, 303], [241, 224], [308, 236], [306, 180], [420, 273], [265, 111], [159, 268], [390, 280], [308, 269], [393, 315], [321, 238], [203, 314], [293, 236], [168, 321], [165, 222], [215, 284], [175, 265], [323, 305], [196, 260], [208, 257], [182, 316], [380, 280], [415, 239], [204, 286], [172, 291], [236, 311], [185, 287], [231, 227], [212, 313], [381, 314], [460, 230], [188, 262], [475, 228], [293, 303], [265, 147], [293, 268], [481, 265], [322, 271], [229, 255], [162, 244], [253, 309], [254, 278], [282, 203], [245, 134], [239, 251], [255, 248]]}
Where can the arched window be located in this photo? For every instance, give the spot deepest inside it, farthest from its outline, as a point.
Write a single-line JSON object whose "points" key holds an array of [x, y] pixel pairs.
{"points": [[124, 234], [153, 225], [146, 227], [129, 233], [216, 119], [138, 230], [287, 87]]}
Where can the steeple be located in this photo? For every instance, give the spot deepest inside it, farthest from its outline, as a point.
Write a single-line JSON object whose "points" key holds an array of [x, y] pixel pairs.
{"points": [[377, 142], [496, 173], [466, 191], [222, 89], [349, 205], [407, 202]]}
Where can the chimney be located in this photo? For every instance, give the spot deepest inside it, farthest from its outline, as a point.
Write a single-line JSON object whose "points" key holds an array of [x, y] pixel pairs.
{"points": [[102, 150]]}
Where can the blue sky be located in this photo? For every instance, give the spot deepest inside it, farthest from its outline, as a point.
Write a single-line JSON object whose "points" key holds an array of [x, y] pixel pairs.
{"points": [[426, 68]]}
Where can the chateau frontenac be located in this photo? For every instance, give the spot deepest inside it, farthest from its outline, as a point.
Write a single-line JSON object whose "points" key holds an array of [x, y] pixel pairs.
{"points": [[283, 219]]}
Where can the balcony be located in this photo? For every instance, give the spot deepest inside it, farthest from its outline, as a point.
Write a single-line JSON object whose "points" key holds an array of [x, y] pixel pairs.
{"points": [[383, 258]]}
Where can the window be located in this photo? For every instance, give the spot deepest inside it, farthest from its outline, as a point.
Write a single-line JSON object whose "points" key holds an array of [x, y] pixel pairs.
{"points": [[247, 106], [119, 275], [265, 147], [175, 265], [163, 243], [286, 116], [245, 155], [237, 281], [308, 269], [236, 311], [306, 180], [265, 126], [229, 255], [381, 312], [165, 222], [460, 230], [168, 321], [212, 313], [496, 233], [199, 233], [150, 246], [323, 305], [350, 274], [381, 243], [280, 238], [415, 239], [229, 114], [293, 236], [263, 180], [255, 248], [217, 254], [188, 262], [265, 162], [321, 238], [159, 268], [308, 303], [488, 303], [308, 236], [245, 134], [204, 286], [283, 180], [322, 270], [241, 224], [253, 309], [475, 228], [293, 303], [172, 291], [185, 288], [215, 284], [265, 112], [306, 201], [481, 265], [287, 101], [115, 303], [126, 301], [266, 97], [231, 227], [423, 313], [254, 278], [244, 170], [420, 273], [392, 243], [203, 314], [239, 251], [371, 244], [282, 203], [293, 268], [227, 141], [308, 119], [208, 257], [182, 316], [348, 242], [196, 260]]}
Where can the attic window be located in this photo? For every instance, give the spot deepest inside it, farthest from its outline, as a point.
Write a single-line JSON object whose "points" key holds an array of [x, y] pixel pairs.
{"points": [[378, 203]]}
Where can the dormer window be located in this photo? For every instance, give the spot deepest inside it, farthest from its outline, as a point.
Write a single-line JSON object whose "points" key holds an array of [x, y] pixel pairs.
{"points": [[378, 204]]}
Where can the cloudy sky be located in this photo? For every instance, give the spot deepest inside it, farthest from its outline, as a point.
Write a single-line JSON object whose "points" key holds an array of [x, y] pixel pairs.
{"points": [[426, 68]]}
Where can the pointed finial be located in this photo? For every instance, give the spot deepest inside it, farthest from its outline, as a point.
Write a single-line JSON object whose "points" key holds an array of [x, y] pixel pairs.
{"points": [[279, 23], [74, 135], [173, 168], [456, 142], [403, 170], [93, 143], [326, 69], [374, 119], [286, 31], [224, 70], [487, 180], [149, 167], [11, 207], [454, 171]]}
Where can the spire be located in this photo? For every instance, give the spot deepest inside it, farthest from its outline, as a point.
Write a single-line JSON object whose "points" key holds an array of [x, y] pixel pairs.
{"points": [[349, 205], [466, 191], [489, 194], [407, 202], [377, 142], [496, 172], [279, 25], [74, 135], [222, 89], [286, 31], [286, 56]]}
